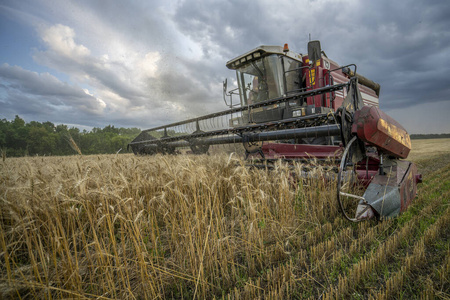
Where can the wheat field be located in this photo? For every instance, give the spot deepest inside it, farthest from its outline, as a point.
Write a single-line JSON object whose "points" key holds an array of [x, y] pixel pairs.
{"points": [[205, 227]]}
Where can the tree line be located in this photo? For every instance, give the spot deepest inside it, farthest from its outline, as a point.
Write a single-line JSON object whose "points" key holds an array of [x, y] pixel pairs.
{"points": [[18, 138], [430, 136]]}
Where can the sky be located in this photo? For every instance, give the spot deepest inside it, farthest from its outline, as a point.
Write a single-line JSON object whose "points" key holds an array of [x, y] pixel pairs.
{"points": [[145, 63]]}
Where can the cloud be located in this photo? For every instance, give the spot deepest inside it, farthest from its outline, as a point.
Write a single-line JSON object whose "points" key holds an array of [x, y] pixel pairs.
{"points": [[428, 118], [133, 85], [119, 81], [150, 63], [30, 92], [401, 45], [60, 39], [65, 55]]}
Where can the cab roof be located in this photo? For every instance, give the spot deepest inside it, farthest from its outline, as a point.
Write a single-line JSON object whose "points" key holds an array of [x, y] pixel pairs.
{"points": [[258, 52]]}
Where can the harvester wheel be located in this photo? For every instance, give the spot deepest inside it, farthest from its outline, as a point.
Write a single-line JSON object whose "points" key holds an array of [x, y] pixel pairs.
{"points": [[197, 147], [253, 147], [141, 149], [343, 170]]}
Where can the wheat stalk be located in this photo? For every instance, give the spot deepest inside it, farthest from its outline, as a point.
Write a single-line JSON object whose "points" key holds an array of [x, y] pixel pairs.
{"points": [[73, 144]]}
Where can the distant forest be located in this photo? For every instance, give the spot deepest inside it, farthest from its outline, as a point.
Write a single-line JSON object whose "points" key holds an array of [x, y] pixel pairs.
{"points": [[18, 138], [430, 136]]}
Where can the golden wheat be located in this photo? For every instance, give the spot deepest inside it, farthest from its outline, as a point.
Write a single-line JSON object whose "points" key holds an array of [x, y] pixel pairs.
{"points": [[125, 227]]}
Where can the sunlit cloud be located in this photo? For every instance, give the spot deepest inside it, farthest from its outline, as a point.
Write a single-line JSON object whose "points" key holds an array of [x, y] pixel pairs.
{"points": [[60, 39]]}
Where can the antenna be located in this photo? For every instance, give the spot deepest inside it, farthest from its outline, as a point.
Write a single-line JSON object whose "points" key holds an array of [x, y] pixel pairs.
{"points": [[310, 37]]}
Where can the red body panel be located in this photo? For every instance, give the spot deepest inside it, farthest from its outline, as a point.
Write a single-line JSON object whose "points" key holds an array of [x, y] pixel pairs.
{"points": [[314, 80], [328, 96], [408, 187], [320, 76], [377, 128]]}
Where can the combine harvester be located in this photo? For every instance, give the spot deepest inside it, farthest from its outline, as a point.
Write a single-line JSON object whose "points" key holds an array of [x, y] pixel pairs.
{"points": [[299, 107]]}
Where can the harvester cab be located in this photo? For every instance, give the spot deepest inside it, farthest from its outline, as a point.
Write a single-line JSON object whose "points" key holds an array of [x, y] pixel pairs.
{"points": [[295, 107], [271, 72]]}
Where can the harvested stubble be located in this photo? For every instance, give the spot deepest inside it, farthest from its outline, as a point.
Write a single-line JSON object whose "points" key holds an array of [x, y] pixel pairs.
{"points": [[394, 284], [188, 227]]}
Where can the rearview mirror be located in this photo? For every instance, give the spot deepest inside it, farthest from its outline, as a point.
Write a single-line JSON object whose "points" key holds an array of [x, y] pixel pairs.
{"points": [[225, 83], [314, 51]]}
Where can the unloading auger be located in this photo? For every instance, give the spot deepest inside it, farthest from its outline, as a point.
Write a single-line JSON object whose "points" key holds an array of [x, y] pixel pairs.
{"points": [[298, 107]]}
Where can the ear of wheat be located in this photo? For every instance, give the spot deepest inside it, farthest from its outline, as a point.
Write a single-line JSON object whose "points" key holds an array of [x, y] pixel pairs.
{"points": [[72, 144]]}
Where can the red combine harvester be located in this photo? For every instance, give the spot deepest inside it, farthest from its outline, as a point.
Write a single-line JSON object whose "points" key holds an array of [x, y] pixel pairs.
{"points": [[297, 107]]}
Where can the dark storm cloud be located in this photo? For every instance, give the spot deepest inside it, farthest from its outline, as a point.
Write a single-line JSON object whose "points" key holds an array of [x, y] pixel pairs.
{"points": [[42, 94], [45, 85], [192, 94], [228, 27], [401, 45], [139, 22], [405, 46]]}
